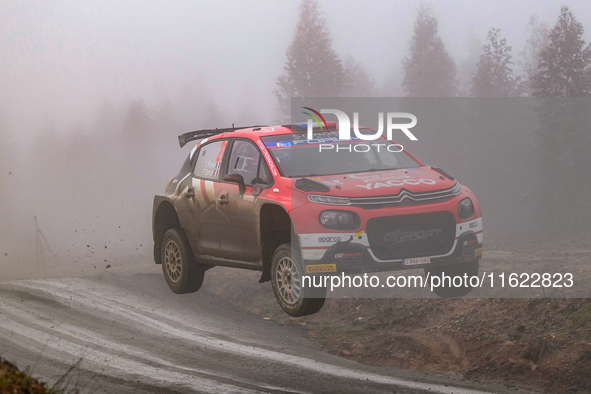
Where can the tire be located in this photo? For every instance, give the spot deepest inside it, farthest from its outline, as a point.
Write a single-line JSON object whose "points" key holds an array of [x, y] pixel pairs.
{"points": [[182, 273], [470, 268], [286, 278]]}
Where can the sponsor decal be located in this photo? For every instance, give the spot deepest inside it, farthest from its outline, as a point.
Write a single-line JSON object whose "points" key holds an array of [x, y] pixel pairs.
{"points": [[343, 256], [267, 157], [322, 142], [383, 176], [478, 252], [264, 130], [212, 168], [313, 269], [399, 236], [332, 134], [326, 181], [333, 180], [470, 242], [204, 193], [359, 233], [398, 182], [473, 224]]}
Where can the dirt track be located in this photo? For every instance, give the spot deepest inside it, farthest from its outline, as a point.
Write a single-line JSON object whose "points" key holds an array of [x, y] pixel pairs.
{"points": [[536, 343], [130, 333]]}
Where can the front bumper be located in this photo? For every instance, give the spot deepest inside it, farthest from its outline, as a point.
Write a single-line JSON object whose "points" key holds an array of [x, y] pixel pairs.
{"points": [[353, 254]]}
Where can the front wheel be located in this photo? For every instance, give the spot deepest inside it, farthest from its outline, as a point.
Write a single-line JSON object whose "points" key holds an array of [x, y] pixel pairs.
{"points": [[287, 271], [182, 273], [447, 289]]}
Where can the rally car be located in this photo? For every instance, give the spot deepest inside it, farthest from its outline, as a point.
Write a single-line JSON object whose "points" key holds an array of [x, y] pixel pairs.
{"points": [[267, 198]]}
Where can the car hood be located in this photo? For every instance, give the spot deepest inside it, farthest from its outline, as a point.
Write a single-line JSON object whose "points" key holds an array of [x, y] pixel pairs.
{"points": [[388, 182]]}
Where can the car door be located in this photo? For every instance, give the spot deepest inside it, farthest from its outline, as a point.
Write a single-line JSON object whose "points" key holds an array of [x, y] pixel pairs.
{"points": [[238, 214], [200, 194]]}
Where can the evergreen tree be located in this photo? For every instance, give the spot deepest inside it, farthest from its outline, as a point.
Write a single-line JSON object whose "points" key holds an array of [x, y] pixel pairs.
{"points": [[429, 71], [467, 68], [313, 68], [563, 139], [565, 63], [358, 82], [494, 75]]}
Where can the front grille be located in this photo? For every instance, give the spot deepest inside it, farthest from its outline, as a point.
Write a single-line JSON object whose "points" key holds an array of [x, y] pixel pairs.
{"points": [[406, 236], [404, 198]]}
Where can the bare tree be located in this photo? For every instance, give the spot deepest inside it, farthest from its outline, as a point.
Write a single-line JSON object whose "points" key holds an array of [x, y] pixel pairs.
{"points": [[494, 75]]}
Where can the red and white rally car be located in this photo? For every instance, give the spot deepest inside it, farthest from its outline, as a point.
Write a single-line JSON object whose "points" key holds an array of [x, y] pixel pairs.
{"points": [[268, 199]]}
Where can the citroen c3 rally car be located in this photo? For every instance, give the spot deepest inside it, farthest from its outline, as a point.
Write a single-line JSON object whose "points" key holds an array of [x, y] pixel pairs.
{"points": [[268, 199]]}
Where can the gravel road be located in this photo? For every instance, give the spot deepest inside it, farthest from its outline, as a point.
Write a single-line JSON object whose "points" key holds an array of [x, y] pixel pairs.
{"points": [[128, 333]]}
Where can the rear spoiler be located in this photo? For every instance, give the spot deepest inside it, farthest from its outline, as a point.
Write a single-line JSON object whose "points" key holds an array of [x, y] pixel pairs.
{"points": [[184, 139]]}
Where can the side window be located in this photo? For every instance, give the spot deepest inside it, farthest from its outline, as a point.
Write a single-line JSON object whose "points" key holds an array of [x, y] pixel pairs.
{"points": [[209, 161], [262, 173], [245, 160]]}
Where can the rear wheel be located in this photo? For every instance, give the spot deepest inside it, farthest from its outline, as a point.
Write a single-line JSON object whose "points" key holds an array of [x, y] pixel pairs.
{"points": [[182, 273], [287, 270], [445, 290]]}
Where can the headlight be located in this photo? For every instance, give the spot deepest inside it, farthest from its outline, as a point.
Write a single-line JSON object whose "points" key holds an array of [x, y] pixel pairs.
{"points": [[465, 209], [456, 189], [339, 220], [328, 200]]}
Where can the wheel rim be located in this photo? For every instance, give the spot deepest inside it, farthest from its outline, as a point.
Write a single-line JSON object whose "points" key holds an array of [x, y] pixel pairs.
{"points": [[288, 280], [172, 261]]}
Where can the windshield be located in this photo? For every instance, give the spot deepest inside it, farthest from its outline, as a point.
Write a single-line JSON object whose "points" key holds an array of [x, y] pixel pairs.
{"points": [[298, 157]]}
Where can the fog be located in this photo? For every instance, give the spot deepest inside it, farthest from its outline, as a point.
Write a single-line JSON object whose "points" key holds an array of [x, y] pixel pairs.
{"points": [[93, 95], [61, 59]]}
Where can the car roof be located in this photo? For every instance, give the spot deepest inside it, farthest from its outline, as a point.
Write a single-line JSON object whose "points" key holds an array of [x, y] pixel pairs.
{"points": [[262, 131], [252, 133]]}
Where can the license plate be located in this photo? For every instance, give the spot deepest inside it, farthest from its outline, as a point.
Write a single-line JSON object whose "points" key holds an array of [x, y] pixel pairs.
{"points": [[417, 261]]}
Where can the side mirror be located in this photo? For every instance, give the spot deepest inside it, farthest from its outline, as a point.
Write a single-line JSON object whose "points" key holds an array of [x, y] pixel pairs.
{"points": [[236, 178]]}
